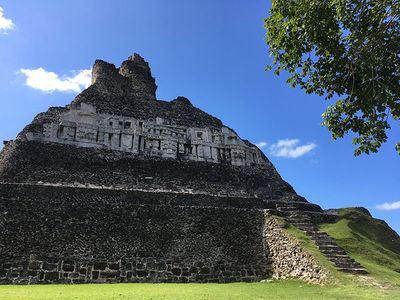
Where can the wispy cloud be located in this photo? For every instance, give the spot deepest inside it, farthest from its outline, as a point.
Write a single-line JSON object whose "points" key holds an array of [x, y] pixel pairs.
{"points": [[290, 148], [5, 24], [45, 81], [388, 206], [261, 144]]}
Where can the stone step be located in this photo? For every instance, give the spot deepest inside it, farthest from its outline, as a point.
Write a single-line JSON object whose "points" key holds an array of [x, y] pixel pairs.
{"points": [[321, 233], [348, 266], [340, 257], [333, 251], [354, 270], [326, 243], [329, 247], [309, 232], [345, 262], [317, 236], [322, 238]]}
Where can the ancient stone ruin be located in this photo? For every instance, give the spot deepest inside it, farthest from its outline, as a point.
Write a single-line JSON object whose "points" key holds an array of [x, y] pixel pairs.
{"points": [[121, 187]]}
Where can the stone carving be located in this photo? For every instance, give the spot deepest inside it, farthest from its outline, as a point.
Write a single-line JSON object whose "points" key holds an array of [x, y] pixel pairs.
{"points": [[82, 126]]}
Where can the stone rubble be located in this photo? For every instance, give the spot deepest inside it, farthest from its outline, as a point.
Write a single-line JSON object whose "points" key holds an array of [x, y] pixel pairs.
{"points": [[289, 259]]}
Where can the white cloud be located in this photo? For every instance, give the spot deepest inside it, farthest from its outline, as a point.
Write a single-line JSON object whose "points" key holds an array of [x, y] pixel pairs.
{"points": [[388, 206], [290, 148], [261, 144], [45, 81], [5, 24]]}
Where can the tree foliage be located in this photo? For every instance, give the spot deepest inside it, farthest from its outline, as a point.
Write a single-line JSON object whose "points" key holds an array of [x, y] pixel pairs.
{"points": [[347, 50]]}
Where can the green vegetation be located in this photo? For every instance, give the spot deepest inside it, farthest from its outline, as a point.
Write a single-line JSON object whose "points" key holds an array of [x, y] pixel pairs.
{"points": [[268, 290], [348, 50], [370, 241]]}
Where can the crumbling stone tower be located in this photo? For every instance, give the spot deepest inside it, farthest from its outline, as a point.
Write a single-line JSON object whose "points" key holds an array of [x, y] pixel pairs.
{"points": [[121, 187]]}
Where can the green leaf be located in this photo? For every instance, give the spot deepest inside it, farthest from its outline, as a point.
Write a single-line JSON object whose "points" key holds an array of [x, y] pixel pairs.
{"points": [[348, 49]]}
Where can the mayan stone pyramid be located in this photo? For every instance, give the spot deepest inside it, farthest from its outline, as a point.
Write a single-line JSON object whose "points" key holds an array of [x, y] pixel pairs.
{"points": [[121, 187]]}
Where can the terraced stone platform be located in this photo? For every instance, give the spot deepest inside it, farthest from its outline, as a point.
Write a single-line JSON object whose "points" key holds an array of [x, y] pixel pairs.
{"points": [[118, 186]]}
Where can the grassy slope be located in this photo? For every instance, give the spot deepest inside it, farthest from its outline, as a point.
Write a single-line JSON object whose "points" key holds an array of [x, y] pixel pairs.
{"points": [[370, 241], [269, 290]]}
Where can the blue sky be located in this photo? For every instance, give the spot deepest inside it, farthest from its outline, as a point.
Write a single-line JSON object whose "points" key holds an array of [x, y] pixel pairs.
{"points": [[212, 52]]}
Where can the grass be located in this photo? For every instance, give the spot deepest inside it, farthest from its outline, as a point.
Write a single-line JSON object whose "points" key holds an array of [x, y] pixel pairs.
{"points": [[369, 241], [268, 290]]}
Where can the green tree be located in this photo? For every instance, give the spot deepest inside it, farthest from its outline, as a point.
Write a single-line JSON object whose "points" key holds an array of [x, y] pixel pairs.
{"points": [[342, 49]]}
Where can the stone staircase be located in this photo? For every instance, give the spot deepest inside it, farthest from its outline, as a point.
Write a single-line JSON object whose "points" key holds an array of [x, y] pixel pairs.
{"points": [[324, 242]]}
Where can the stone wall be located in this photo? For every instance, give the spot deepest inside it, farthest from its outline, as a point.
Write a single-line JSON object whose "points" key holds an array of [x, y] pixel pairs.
{"points": [[289, 259], [48, 269], [51, 235], [22, 161], [60, 234]]}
